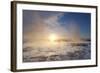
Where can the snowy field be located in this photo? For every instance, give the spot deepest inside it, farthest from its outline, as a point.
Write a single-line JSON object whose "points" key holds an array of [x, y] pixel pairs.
{"points": [[44, 51]]}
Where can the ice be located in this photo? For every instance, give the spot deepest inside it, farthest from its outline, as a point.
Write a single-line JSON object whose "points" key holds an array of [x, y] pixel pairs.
{"points": [[56, 52]]}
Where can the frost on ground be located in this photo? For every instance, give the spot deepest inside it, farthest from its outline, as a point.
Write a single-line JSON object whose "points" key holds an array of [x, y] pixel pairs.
{"points": [[56, 52]]}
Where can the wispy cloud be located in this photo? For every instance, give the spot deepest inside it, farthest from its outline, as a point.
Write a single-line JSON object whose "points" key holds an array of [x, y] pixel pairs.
{"points": [[44, 25]]}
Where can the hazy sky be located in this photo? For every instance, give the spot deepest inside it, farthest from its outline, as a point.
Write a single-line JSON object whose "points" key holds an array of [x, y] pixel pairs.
{"points": [[42, 23]]}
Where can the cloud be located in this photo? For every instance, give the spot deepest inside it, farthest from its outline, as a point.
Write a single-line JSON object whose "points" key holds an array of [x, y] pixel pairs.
{"points": [[45, 25]]}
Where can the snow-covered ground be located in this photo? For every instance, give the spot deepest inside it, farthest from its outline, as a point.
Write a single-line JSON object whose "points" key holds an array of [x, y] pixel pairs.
{"points": [[56, 51]]}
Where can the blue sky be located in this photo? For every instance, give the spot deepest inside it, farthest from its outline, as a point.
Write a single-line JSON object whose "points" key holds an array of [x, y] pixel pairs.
{"points": [[57, 22], [83, 21]]}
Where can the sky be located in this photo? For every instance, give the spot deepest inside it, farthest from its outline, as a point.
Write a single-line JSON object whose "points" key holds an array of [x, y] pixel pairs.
{"points": [[39, 24]]}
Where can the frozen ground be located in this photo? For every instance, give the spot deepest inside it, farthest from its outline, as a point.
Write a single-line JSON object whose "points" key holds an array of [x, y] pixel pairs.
{"points": [[56, 52]]}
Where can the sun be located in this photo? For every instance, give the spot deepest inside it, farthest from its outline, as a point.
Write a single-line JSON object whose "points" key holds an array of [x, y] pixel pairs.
{"points": [[53, 37]]}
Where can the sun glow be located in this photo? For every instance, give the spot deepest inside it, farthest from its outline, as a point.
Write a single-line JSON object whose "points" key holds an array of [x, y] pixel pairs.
{"points": [[53, 37]]}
